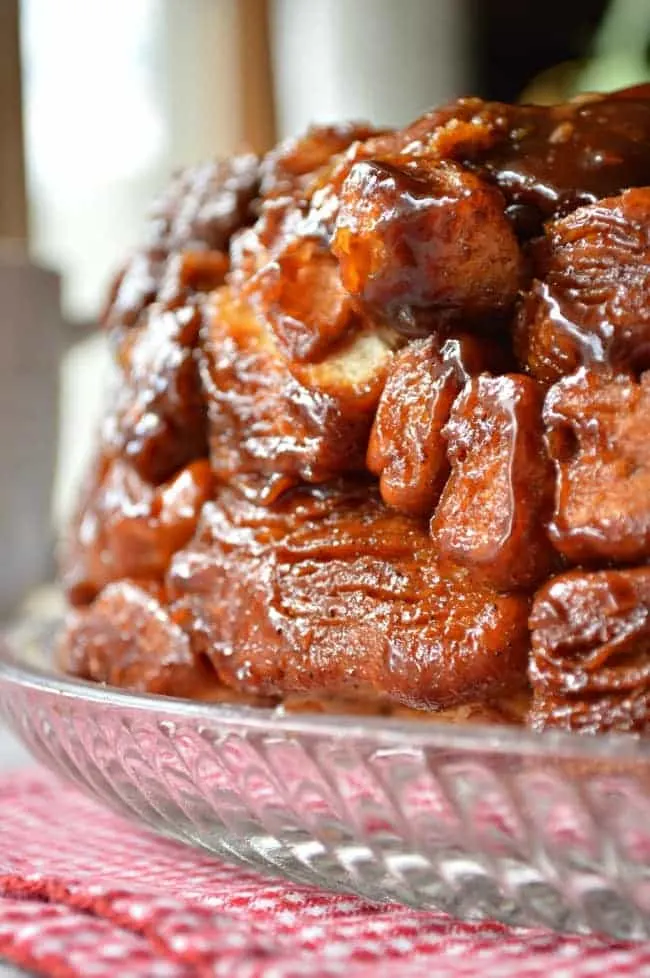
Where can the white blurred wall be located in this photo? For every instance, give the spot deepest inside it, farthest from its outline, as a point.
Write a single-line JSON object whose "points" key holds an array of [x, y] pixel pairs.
{"points": [[116, 95], [381, 60]]}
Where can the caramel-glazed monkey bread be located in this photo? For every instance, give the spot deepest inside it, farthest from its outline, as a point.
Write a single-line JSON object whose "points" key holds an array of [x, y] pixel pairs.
{"points": [[378, 436]]}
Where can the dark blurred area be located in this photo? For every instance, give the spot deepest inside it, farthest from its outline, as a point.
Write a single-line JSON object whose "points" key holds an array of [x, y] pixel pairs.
{"points": [[513, 42]]}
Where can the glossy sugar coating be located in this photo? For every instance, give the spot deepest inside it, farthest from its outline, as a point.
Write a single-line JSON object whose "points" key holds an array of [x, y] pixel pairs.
{"points": [[158, 427], [128, 638], [598, 438], [491, 514], [407, 448], [127, 528], [199, 212], [271, 420], [379, 394], [425, 234], [332, 591], [590, 666], [589, 304]]}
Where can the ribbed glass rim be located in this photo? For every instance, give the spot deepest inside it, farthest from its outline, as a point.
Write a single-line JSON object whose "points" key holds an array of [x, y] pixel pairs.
{"points": [[386, 732]]}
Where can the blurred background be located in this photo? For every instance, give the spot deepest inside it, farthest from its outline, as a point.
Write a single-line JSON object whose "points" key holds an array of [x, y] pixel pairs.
{"points": [[101, 99]]}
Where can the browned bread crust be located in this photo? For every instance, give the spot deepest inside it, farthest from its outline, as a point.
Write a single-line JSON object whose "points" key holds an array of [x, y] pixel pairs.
{"points": [[380, 394]]}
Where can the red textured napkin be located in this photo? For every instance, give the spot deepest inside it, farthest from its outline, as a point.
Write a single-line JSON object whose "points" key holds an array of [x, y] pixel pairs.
{"points": [[83, 893]]}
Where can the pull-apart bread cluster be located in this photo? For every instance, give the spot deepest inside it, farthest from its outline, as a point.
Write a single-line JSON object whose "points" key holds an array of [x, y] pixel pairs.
{"points": [[381, 435]]}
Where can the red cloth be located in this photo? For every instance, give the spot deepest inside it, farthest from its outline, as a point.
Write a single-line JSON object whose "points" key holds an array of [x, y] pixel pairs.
{"points": [[84, 893]]}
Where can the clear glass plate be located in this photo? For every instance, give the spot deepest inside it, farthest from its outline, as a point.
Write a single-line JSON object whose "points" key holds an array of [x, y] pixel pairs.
{"points": [[497, 822]]}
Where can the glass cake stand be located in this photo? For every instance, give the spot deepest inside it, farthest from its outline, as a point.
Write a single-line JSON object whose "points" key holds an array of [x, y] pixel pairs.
{"points": [[479, 821]]}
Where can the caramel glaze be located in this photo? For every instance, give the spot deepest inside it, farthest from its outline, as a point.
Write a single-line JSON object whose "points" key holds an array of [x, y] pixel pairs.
{"points": [[290, 169], [590, 667], [419, 233], [271, 423], [491, 514], [598, 438], [329, 591], [158, 427], [408, 447], [547, 161], [379, 394], [573, 155], [199, 212], [128, 638], [127, 528], [589, 302]]}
